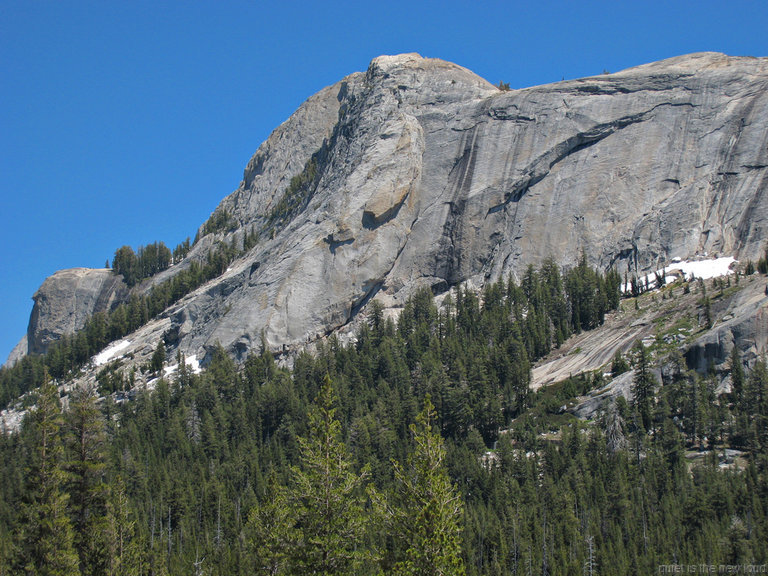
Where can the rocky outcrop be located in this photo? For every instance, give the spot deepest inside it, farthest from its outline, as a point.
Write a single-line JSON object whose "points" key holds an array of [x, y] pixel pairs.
{"points": [[66, 300], [743, 323], [740, 320], [667, 327], [597, 401], [419, 173], [19, 351]]}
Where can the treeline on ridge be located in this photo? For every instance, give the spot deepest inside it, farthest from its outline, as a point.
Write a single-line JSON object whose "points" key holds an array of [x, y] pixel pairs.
{"points": [[147, 261]]}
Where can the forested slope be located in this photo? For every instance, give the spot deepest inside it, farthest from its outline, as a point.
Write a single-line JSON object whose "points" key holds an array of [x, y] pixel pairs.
{"points": [[220, 473]]}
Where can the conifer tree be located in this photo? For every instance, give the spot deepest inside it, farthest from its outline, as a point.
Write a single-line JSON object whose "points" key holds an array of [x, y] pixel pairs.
{"points": [[643, 385], [328, 499], [737, 375], [270, 531], [618, 364], [46, 535], [88, 491], [158, 357], [756, 406], [124, 554], [428, 509]]}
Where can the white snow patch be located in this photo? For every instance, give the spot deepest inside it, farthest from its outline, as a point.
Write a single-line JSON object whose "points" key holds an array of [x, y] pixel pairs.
{"points": [[193, 364], [110, 352], [691, 269], [704, 269], [190, 362]]}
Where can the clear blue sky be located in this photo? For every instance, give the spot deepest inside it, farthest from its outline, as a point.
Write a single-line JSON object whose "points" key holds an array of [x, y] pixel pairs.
{"points": [[127, 122]]}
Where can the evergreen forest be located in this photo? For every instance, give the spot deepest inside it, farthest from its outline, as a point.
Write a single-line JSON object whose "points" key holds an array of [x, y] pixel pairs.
{"points": [[418, 448]]}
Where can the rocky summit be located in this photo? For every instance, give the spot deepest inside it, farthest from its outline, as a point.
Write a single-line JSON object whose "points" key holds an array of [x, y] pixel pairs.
{"points": [[420, 173], [63, 304]]}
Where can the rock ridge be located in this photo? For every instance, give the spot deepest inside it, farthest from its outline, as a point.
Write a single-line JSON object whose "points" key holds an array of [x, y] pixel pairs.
{"points": [[424, 174]]}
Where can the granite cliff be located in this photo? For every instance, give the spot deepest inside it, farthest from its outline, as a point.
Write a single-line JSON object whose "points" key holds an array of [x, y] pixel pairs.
{"points": [[420, 173], [63, 304]]}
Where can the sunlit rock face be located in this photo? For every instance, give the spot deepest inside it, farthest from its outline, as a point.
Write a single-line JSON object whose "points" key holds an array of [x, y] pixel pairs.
{"points": [[428, 175], [420, 173]]}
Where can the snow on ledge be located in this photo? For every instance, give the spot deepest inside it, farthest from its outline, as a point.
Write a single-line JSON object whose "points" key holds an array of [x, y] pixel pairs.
{"points": [[193, 364], [689, 270], [189, 361], [110, 352], [704, 269]]}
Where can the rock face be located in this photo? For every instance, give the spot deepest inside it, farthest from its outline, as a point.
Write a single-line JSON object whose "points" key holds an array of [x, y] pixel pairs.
{"points": [[740, 319], [420, 173], [66, 300], [744, 324], [19, 351]]}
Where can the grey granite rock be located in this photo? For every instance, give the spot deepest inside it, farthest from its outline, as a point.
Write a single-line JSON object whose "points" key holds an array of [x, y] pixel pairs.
{"points": [[744, 324], [590, 406], [424, 174], [66, 300], [18, 352], [431, 176]]}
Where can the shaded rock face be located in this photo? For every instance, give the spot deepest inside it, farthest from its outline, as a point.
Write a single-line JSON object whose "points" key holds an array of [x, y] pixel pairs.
{"points": [[66, 300], [419, 173], [744, 325]]}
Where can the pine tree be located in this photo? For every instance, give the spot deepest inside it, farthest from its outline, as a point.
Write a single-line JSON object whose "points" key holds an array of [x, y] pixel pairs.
{"points": [[428, 509], [270, 532], [328, 499], [88, 491], [643, 385], [618, 364], [737, 375], [756, 406], [46, 536], [158, 357], [123, 546], [707, 312]]}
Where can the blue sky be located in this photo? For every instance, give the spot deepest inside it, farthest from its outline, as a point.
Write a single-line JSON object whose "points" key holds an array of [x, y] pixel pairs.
{"points": [[127, 122]]}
